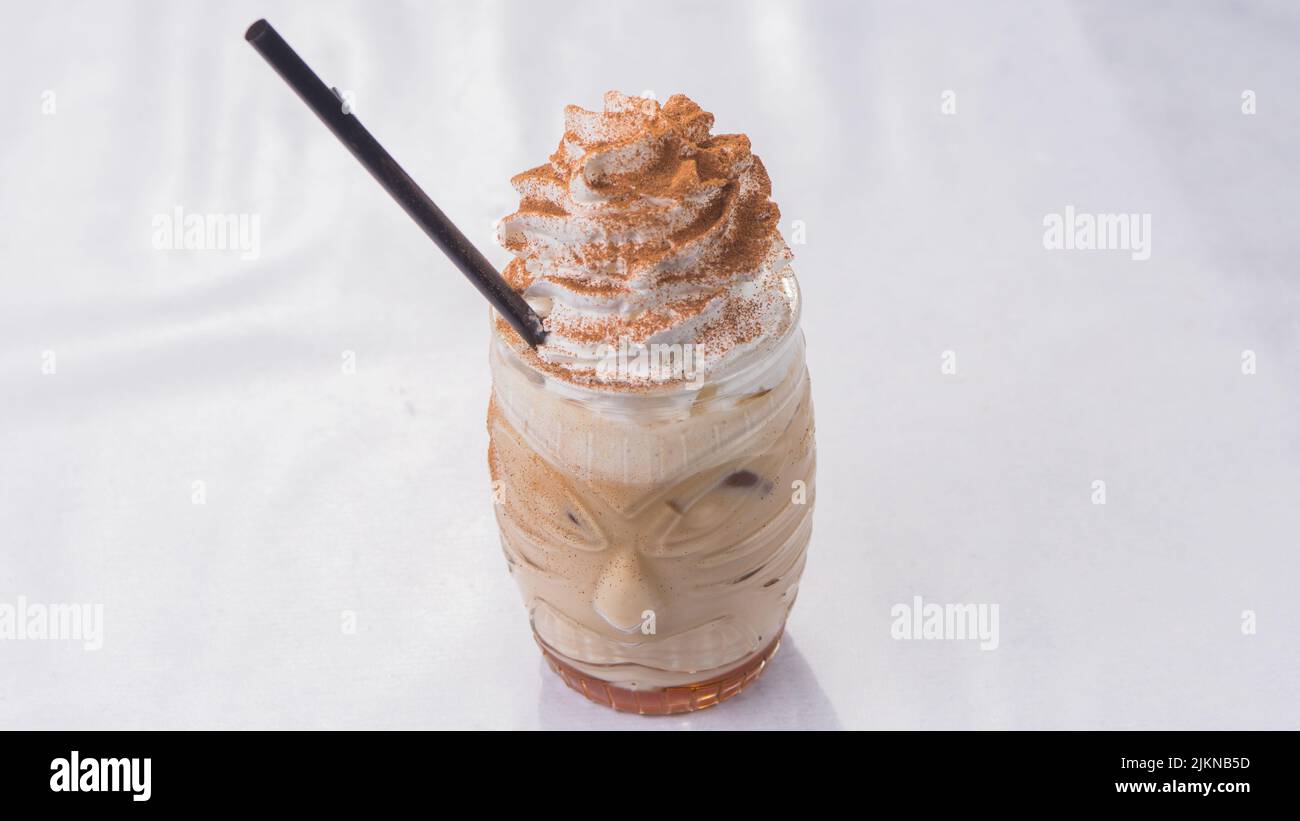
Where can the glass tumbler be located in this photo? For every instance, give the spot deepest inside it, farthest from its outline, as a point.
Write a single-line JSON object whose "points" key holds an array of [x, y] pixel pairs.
{"points": [[657, 536]]}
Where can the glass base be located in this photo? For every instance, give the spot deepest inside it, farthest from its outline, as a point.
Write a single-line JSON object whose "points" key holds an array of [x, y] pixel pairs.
{"points": [[668, 700]]}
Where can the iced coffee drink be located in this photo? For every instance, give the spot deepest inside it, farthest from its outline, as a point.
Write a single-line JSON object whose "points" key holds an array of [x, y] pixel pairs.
{"points": [[652, 459]]}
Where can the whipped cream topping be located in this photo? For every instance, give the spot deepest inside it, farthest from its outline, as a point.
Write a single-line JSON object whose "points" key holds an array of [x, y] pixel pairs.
{"points": [[645, 232]]}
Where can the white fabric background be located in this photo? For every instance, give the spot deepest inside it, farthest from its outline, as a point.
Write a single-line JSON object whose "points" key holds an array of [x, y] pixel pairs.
{"points": [[329, 492]]}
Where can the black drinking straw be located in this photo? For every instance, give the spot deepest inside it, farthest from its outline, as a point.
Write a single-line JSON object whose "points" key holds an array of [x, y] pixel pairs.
{"points": [[329, 107]]}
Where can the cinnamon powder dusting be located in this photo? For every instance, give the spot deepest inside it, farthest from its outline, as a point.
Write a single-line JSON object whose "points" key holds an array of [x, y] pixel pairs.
{"points": [[644, 227]]}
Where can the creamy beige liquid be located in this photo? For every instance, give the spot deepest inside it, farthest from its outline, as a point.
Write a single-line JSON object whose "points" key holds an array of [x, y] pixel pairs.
{"points": [[656, 543]]}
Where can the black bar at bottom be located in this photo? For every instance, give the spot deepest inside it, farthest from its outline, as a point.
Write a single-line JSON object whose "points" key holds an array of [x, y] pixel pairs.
{"points": [[330, 770]]}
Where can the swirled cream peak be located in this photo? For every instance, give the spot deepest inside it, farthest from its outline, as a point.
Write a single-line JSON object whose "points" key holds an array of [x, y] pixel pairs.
{"points": [[645, 229]]}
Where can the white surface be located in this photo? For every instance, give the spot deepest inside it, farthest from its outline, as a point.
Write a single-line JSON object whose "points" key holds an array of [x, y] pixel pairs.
{"points": [[329, 492]]}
